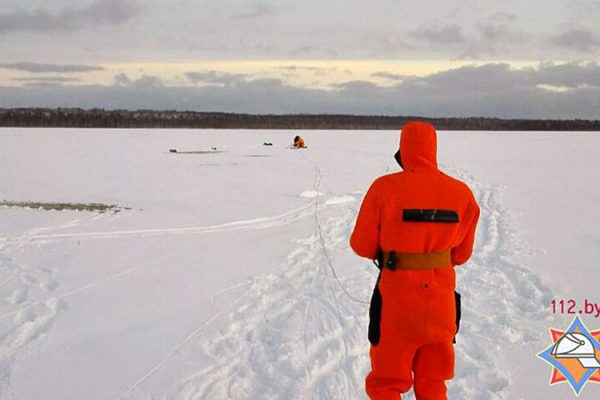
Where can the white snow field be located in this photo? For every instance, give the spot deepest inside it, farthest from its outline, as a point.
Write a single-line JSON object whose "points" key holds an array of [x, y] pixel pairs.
{"points": [[229, 276]]}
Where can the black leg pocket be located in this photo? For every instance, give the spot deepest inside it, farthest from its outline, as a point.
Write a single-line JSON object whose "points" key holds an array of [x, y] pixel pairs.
{"points": [[375, 315], [457, 305]]}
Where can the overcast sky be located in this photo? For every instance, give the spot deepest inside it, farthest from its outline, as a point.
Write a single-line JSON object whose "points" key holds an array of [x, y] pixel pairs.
{"points": [[442, 58]]}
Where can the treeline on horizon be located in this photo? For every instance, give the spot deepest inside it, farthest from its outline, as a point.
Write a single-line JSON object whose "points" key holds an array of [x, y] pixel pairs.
{"points": [[101, 118]]}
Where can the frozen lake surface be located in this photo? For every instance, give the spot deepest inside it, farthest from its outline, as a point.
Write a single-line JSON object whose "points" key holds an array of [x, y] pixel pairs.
{"points": [[227, 274]]}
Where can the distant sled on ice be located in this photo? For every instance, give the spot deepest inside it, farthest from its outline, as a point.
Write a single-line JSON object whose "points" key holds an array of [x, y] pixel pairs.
{"points": [[212, 150]]}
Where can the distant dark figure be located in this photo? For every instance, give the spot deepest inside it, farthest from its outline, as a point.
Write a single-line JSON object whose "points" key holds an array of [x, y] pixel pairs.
{"points": [[299, 143]]}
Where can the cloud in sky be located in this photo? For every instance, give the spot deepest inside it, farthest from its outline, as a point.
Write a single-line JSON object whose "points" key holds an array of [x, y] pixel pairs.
{"points": [[216, 77], [494, 32], [121, 80], [572, 75], [503, 16], [495, 36], [291, 30], [481, 38], [580, 40], [295, 68], [100, 12], [143, 82], [493, 90], [59, 79], [388, 75], [184, 53], [447, 34], [46, 68], [257, 9]]}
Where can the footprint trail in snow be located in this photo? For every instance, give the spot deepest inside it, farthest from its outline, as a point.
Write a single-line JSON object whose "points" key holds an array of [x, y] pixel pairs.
{"points": [[297, 335]]}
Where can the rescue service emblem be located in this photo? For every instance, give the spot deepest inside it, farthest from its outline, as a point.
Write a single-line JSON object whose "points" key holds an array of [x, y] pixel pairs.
{"points": [[573, 356]]}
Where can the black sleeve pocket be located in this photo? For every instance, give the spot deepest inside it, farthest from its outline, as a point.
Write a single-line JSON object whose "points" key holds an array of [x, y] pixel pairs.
{"points": [[457, 305], [375, 315]]}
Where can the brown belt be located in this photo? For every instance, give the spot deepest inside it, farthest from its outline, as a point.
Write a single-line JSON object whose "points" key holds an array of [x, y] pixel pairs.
{"points": [[394, 260]]}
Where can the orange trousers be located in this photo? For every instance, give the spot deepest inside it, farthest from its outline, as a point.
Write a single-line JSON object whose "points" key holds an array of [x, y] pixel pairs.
{"points": [[417, 328]]}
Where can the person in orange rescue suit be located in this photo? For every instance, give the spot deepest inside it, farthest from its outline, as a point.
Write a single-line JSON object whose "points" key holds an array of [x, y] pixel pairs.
{"points": [[418, 224], [299, 143]]}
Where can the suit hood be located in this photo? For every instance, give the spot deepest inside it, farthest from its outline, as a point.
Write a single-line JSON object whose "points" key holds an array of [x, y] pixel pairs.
{"points": [[418, 146]]}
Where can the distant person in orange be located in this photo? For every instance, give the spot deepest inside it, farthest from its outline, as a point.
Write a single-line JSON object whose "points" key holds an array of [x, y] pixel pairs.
{"points": [[418, 224], [299, 143]]}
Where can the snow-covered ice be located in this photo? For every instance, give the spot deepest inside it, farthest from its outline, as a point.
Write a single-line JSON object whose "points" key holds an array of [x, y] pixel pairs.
{"points": [[230, 276]]}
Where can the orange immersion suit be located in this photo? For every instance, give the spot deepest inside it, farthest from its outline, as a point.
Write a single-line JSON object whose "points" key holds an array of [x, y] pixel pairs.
{"points": [[299, 143], [414, 313]]}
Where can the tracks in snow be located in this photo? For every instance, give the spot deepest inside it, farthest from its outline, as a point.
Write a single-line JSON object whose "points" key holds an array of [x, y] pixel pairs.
{"points": [[31, 293], [250, 224], [503, 303], [19, 288], [297, 335]]}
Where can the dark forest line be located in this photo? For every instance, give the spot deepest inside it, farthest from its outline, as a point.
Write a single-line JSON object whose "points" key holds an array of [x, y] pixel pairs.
{"points": [[101, 118]]}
